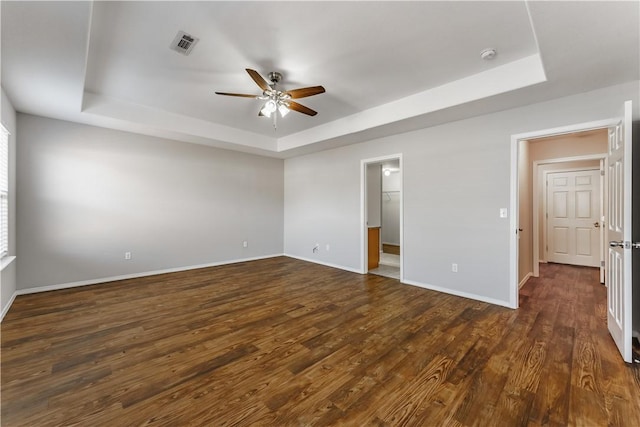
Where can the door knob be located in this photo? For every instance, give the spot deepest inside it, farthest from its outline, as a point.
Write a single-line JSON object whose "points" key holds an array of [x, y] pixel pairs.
{"points": [[614, 244], [596, 224]]}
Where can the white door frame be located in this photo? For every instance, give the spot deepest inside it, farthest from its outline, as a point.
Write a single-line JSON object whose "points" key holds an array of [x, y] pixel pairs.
{"points": [[363, 210], [536, 200], [513, 197]]}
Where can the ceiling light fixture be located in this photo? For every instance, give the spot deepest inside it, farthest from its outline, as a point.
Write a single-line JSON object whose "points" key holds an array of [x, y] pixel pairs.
{"points": [[278, 101], [269, 107]]}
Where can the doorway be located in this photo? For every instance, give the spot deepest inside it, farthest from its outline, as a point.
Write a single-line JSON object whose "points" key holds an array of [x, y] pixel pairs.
{"points": [[573, 216], [617, 217], [382, 225], [535, 156]]}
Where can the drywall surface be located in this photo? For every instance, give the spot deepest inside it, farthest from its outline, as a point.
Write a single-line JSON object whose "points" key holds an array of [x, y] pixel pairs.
{"points": [[88, 195], [456, 177], [8, 274], [525, 210], [391, 218], [571, 145], [374, 194]]}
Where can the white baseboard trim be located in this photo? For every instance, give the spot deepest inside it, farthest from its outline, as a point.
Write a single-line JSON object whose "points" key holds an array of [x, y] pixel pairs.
{"points": [[136, 275], [6, 308], [459, 293], [327, 264], [525, 279]]}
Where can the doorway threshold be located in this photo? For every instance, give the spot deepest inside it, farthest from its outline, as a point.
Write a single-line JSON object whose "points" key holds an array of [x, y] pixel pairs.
{"points": [[386, 271]]}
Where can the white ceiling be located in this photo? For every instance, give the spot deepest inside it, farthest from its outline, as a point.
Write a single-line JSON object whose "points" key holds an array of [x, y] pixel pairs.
{"points": [[387, 67]]}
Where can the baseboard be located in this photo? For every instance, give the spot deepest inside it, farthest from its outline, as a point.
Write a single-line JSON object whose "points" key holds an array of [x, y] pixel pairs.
{"points": [[6, 308], [525, 279], [327, 264], [136, 275], [459, 293]]}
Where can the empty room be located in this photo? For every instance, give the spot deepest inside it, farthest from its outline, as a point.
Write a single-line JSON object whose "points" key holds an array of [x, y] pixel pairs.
{"points": [[319, 213]]}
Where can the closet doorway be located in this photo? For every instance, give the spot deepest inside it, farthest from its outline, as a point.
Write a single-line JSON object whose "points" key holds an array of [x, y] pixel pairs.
{"points": [[382, 219]]}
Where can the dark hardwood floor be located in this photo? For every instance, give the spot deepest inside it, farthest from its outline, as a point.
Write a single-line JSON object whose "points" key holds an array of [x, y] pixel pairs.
{"points": [[281, 342]]}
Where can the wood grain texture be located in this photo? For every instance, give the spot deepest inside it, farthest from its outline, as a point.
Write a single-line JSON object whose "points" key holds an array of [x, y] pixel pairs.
{"points": [[282, 342]]}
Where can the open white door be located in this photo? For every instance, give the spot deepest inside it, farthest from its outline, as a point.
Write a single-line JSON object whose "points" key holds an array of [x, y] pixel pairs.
{"points": [[619, 274]]}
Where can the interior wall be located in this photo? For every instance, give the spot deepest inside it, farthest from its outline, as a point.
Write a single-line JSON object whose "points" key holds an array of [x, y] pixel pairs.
{"points": [[525, 209], [8, 275], [374, 195], [456, 177], [635, 228], [571, 145], [391, 208], [88, 195]]}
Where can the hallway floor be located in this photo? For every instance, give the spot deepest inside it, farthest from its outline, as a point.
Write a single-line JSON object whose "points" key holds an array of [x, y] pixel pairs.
{"points": [[389, 266]]}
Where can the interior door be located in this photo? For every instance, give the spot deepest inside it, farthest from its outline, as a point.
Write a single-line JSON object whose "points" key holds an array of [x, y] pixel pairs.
{"points": [[619, 228], [573, 217]]}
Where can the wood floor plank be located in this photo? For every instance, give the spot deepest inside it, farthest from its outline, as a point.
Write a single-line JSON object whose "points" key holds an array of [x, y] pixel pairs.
{"points": [[282, 342]]}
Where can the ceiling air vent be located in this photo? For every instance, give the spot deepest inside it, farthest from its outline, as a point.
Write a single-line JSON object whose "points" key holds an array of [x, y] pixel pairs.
{"points": [[183, 43]]}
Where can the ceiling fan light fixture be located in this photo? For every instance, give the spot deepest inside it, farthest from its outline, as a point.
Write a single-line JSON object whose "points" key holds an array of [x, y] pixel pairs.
{"points": [[269, 107], [284, 110], [278, 101]]}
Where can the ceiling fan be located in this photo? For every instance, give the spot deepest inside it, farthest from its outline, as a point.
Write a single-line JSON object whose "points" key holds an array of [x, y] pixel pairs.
{"points": [[278, 101]]}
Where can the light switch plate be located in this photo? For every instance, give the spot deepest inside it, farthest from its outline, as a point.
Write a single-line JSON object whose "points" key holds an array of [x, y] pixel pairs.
{"points": [[503, 212]]}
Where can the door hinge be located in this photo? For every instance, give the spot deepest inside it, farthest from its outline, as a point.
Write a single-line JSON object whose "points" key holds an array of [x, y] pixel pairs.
{"points": [[546, 248], [601, 173], [601, 263]]}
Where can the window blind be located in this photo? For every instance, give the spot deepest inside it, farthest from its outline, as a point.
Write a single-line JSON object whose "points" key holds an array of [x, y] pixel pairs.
{"points": [[4, 192]]}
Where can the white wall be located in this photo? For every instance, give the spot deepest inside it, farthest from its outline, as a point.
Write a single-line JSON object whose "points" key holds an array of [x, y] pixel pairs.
{"points": [[8, 274], [456, 177], [87, 195], [391, 208], [525, 208], [374, 195]]}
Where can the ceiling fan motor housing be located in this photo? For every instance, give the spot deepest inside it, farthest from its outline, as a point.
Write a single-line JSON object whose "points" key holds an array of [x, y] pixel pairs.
{"points": [[275, 77]]}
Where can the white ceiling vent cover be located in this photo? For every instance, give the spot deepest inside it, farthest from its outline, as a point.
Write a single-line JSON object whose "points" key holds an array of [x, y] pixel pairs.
{"points": [[183, 43]]}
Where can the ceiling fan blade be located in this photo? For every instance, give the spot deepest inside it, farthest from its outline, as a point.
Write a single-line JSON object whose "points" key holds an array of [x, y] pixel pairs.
{"points": [[243, 95], [260, 81], [305, 91], [301, 108]]}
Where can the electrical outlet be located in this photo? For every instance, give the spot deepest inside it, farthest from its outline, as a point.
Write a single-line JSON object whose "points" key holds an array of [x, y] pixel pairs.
{"points": [[127, 255], [245, 244], [454, 267]]}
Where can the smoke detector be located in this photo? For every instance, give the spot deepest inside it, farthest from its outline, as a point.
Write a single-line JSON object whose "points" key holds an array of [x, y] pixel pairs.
{"points": [[183, 43], [488, 54]]}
